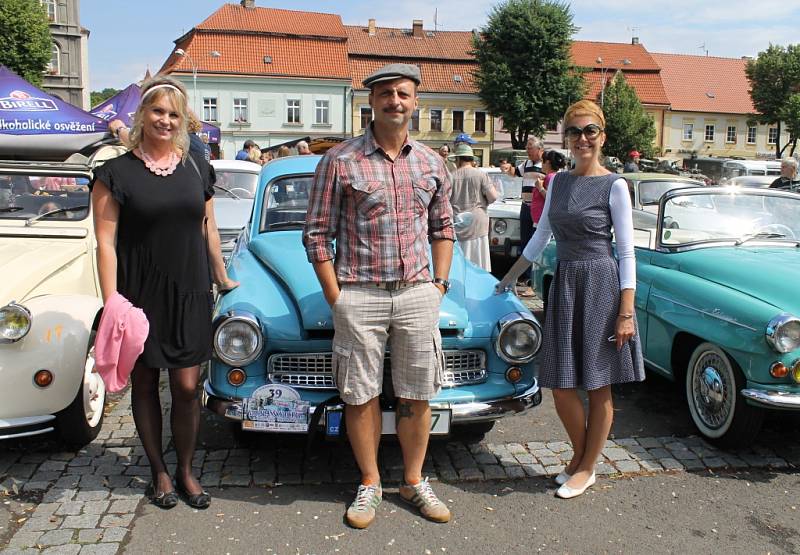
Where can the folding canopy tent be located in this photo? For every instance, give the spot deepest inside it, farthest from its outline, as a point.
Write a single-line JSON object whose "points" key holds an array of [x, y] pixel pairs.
{"points": [[35, 125]]}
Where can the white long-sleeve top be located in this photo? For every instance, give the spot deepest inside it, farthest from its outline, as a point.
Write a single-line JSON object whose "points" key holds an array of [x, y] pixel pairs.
{"points": [[619, 203]]}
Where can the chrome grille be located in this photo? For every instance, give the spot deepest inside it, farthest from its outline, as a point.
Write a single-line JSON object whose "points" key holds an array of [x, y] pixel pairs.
{"points": [[314, 370]]}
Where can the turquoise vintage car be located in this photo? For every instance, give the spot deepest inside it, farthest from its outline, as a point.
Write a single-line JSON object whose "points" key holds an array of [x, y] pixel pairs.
{"points": [[271, 369], [717, 303]]}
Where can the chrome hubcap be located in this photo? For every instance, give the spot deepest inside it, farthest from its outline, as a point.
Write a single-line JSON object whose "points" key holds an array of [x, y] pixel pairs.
{"points": [[712, 390]]}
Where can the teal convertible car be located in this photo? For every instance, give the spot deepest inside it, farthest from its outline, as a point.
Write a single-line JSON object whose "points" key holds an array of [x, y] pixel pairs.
{"points": [[271, 370], [718, 304]]}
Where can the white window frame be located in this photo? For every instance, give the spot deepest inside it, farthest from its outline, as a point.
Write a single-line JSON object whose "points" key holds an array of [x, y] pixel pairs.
{"points": [[476, 121], [414, 117], [210, 108], [441, 119], [463, 120], [361, 110], [243, 106], [298, 109], [728, 138], [55, 54], [772, 135], [710, 127], [690, 128], [754, 130], [322, 107], [51, 9]]}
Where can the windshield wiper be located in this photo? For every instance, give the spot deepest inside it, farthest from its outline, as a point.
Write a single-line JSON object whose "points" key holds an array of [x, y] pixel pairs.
{"points": [[31, 221], [231, 193], [288, 223], [12, 209], [759, 236]]}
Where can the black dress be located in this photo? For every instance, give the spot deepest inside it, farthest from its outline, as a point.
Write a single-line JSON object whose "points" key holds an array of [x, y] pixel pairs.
{"points": [[162, 261]]}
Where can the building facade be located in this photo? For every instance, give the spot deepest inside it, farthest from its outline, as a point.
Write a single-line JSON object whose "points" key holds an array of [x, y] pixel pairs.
{"points": [[272, 76], [67, 74], [448, 100]]}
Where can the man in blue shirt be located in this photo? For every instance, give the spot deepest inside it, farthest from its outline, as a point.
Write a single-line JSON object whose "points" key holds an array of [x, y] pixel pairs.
{"points": [[244, 153]]}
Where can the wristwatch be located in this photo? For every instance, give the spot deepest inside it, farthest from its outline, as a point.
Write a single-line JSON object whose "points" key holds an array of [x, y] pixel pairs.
{"points": [[444, 283]]}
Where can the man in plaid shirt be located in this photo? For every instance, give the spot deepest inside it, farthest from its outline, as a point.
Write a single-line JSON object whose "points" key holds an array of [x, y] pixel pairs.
{"points": [[385, 199]]}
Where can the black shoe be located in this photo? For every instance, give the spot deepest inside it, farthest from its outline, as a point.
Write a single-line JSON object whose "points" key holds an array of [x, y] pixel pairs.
{"points": [[198, 500], [163, 500]]}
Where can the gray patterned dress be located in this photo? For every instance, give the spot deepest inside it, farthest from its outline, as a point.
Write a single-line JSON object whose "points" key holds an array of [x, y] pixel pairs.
{"points": [[583, 300]]}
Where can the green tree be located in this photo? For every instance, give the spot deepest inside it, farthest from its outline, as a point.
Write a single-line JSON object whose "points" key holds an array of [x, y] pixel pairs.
{"points": [[525, 73], [790, 115], [774, 79], [98, 97], [628, 126], [27, 44]]}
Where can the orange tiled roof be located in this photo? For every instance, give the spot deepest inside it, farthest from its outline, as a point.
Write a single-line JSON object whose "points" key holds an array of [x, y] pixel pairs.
{"points": [[648, 85], [705, 83], [233, 17], [437, 77], [585, 54], [390, 43], [243, 54]]}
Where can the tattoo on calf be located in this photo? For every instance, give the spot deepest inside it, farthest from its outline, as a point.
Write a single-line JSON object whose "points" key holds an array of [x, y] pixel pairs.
{"points": [[404, 410]]}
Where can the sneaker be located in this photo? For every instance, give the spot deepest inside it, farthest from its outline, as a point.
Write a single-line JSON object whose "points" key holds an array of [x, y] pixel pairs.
{"points": [[422, 496], [361, 512]]}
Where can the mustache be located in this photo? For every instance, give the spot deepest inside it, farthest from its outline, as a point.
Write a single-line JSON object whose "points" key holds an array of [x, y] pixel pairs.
{"points": [[393, 111]]}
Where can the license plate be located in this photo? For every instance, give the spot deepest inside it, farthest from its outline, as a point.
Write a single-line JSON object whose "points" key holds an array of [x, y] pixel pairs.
{"points": [[440, 422], [275, 408], [257, 426]]}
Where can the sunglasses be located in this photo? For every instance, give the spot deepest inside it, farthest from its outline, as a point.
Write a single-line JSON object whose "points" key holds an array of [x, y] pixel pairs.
{"points": [[591, 132]]}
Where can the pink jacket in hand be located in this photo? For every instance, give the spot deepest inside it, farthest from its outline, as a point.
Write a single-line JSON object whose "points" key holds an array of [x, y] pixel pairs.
{"points": [[120, 340]]}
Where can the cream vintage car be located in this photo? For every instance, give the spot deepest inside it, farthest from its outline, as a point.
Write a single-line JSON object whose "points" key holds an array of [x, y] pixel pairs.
{"points": [[50, 303]]}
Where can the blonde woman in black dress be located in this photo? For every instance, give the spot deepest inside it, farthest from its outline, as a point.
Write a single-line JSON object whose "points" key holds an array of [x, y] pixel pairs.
{"points": [[590, 336], [158, 246]]}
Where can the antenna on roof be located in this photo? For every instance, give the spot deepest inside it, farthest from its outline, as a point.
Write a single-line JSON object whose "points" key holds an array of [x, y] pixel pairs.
{"points": [[703, 48], [436, 19]]}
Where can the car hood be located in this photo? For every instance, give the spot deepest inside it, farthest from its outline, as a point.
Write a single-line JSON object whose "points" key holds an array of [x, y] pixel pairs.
{"points": [[744, 268], [282, 252], [231, 213], [504, 208], [25, 263]]}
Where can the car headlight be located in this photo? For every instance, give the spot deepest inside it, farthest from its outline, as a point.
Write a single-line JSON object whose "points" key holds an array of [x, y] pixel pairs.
{"points": [[783, 333], [519, 338], [500, 226], [15, 322], [238, 340]]}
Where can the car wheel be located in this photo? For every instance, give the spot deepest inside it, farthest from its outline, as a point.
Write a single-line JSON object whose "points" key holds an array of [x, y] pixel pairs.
{"points": [[80, 422], [713, 382]]}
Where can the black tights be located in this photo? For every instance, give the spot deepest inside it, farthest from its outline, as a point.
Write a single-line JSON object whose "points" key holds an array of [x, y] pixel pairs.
{"points": [[184, 420]]}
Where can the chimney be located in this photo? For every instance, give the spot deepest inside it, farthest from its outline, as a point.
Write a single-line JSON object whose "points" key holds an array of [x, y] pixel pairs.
{"points": [[248, 3], [416, 29], [634, 40], [371, 28]]}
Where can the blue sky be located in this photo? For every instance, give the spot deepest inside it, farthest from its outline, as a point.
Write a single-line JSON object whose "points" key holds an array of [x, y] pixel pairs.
{"points": [[128, 36]]}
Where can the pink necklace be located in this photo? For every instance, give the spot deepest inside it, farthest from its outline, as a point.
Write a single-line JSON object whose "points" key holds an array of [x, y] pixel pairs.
{"points": [[172, 163]]}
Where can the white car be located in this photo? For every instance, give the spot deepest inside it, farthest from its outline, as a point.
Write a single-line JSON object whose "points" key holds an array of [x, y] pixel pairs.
{"points": [[504, 214], [50, 303], [236, 186]]}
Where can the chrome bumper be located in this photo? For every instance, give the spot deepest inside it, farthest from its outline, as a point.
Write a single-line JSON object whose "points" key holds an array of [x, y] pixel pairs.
{"points": [[463, 413], [776, 399], [27, 426]]}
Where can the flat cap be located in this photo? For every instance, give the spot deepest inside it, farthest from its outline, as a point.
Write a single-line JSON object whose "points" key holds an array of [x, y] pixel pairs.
{"points": [[393, 71]]}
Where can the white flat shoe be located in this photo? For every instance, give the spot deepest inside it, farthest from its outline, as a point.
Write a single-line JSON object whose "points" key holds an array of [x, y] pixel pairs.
{"points": [[566, 492], [562, 478]]}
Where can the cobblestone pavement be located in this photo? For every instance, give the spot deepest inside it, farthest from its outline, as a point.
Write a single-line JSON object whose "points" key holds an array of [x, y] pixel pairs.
{"points": [[86, 502]]}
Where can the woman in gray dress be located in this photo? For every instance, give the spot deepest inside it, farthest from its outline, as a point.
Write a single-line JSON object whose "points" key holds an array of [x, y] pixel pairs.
{"points": [[590, 335]]}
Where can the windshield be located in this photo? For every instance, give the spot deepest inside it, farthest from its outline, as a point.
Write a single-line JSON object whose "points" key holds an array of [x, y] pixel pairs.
{"points": [[650, 192], [731, 216], [27, 196], [508, 187], [241, 184], [285, 203]]}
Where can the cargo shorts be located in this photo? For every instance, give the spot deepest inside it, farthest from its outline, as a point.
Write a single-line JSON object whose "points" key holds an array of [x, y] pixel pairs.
{"points": [[367, 320]]}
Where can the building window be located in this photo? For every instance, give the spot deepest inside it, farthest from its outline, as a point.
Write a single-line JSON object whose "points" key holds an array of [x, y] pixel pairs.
{"points": [[688, 131], [480, 122], [413, 123], [50, 9], [54, 65], [210, 109], [366, 116], [321, 112], [436, 120], [752, 130], [293, 110], [458, 120], [551, 127], [772, 135], [709, 133], [730, 136], [240, 110]]}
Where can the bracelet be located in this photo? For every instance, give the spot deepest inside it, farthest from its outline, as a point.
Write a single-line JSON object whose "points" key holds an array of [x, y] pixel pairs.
{"points": [[625, 316]]}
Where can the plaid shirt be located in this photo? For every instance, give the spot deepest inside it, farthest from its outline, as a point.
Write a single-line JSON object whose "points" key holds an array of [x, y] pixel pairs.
{"points": [[381, 213]]}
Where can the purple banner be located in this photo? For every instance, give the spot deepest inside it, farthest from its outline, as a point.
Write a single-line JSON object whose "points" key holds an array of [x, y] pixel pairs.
{"points": [[121, 106]]}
